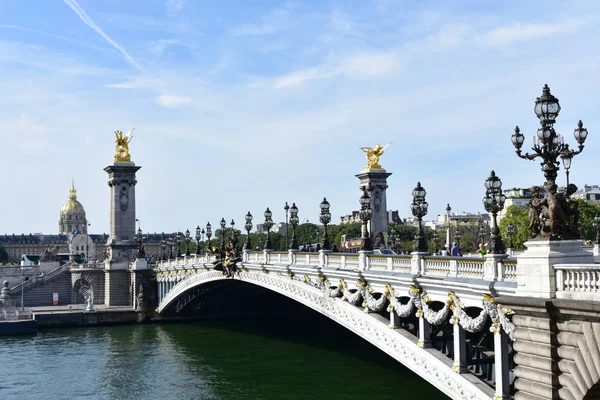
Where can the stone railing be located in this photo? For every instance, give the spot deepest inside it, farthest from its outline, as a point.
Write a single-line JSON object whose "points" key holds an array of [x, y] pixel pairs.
{"points": [[578, 281], [17, 270], [488, 269]]}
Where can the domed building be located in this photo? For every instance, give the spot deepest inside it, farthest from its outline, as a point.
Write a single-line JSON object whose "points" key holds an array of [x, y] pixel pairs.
{"points": [[72, 215]]}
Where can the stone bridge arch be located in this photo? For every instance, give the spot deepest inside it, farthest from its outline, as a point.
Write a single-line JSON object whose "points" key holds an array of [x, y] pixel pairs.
{"points": [[372, 327]]}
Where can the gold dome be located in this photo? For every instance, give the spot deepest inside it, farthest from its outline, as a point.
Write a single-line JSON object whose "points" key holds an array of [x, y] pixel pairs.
{"points": [[72, 206]]}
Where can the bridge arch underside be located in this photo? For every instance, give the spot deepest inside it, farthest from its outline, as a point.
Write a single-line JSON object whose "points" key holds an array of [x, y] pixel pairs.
{"points": [[197, 296]]}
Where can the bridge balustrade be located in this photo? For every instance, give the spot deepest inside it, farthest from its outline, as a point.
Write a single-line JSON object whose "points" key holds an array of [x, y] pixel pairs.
{"points": [[578, 281]]}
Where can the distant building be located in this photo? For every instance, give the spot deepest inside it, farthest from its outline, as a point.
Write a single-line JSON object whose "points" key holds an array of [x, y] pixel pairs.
{"points": [[393, 216], [73, 238], [589, 193]]}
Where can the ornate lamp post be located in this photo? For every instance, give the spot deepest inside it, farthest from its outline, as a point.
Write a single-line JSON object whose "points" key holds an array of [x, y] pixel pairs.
{"points": [[198, 237], [140, 237], [482, 232], [163, 245], [549, 145], [187, 242], [171, 244], [511, 229], [178, 243], [248, 227], [566, 158], [286, 208], [448, 233], [494, 202], [457, 236], [223, 225], [436, 236], [294, 220], [419, 210], [597, 225], [208, 235], [365, 216], [325, 218], [233, 234], [268, 224]]}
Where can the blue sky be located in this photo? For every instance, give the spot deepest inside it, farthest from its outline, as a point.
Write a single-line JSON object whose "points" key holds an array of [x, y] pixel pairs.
{"points": [[242, 105]]}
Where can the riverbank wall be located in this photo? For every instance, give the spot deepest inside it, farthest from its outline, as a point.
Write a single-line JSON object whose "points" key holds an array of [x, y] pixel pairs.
{"points": [[72, 318]]}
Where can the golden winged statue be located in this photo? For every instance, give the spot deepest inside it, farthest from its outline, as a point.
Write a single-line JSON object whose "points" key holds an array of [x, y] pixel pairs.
{"points": [[373, 154], [122, 151]]}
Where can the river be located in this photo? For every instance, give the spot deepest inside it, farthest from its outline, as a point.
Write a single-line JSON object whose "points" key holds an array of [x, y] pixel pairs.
{"points": [[237, 359]]}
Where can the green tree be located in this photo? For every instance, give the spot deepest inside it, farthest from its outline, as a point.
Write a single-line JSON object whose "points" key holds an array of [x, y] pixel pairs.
{"points": [[519, 218], [3, 255], [351, 230], [586, 219]]}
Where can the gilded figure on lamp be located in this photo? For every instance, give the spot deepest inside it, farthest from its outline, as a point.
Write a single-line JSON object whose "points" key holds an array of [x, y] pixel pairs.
{"points": [[122, 149], [373, 154]]}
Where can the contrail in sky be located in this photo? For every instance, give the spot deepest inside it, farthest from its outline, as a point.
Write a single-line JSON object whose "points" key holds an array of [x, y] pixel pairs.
{"points": [[88, 21]]}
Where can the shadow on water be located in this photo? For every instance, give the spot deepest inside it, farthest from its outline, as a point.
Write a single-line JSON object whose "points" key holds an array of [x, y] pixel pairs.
{"points": [[284, 350], [262, 347]]}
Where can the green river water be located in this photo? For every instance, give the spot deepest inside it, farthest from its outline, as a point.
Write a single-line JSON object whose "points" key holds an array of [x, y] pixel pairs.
{"points": [[240, 358]]}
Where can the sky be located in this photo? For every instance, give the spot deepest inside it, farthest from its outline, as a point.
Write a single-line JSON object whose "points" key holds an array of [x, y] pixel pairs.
{"points": [[243, 105]]}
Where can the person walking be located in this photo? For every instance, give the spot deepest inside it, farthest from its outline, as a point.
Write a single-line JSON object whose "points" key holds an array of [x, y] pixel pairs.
{"points": [[455, 251]]}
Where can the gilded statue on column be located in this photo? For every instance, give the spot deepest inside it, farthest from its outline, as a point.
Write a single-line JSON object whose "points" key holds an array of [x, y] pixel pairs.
{"points": [[373, 154], [122, 150]]}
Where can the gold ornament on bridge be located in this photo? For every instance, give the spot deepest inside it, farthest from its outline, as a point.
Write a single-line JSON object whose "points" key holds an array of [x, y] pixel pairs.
{"points": [[373, 154], [122, 150]]}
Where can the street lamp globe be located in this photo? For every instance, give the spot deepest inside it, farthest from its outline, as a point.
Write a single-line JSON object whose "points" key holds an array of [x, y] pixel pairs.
{"points": [[546, 107], [580, 133]]}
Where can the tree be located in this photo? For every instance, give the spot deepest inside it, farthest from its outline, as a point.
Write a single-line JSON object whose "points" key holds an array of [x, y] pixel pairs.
{"points": [[588, 212], [519, 218], [3, 255]]}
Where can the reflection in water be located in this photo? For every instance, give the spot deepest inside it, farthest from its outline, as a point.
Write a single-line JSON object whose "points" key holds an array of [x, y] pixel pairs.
{"points": [[247, 358]]}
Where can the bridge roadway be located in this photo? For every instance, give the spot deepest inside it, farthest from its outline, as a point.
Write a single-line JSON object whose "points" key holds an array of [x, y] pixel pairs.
{"points": [[374, 295]]}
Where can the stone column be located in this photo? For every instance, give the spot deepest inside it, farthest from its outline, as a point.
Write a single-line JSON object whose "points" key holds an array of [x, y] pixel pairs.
{"points": [[460, 347], [375, 181], [501, 363], [424, 332], [121, 245], [491, 272]]}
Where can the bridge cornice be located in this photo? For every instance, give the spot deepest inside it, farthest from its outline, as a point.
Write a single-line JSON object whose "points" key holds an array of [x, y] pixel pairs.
{"points": [[372, 327], [437, 288]]}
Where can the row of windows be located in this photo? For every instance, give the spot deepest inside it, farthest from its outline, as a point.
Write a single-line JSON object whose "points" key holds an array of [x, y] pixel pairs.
{"points": [[76, 216]]}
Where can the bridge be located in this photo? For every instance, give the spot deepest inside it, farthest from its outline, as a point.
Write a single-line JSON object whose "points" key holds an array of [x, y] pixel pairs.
{"points": [[496, 327]]}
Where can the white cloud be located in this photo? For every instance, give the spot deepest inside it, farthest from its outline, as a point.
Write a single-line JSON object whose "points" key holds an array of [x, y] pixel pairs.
{"points": [[159, 46], [174, 7], [89, 140], [370, 65], [172, 101], [299, 77], [450, 36], [523, 31], [274, 22], [138, 83], [34, 146], [361, 65], [88, 21]]}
